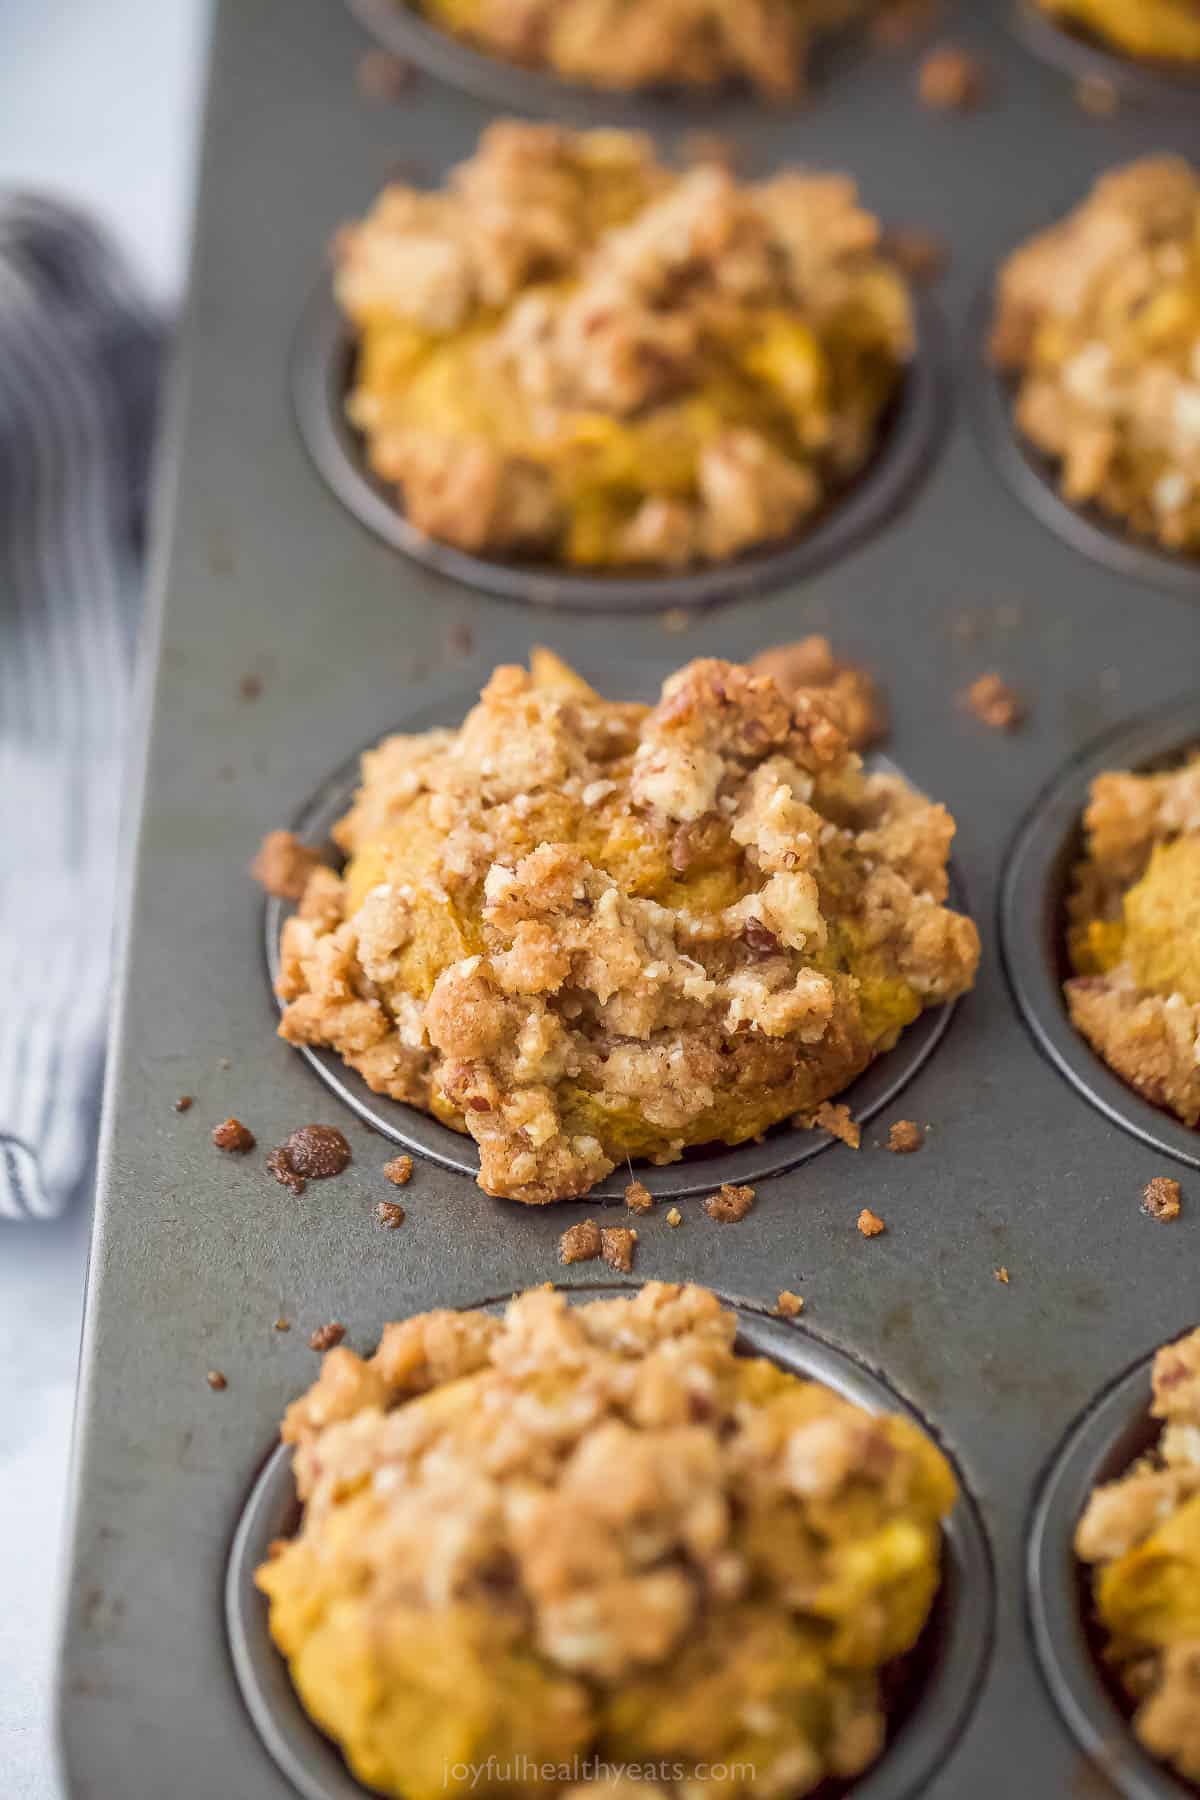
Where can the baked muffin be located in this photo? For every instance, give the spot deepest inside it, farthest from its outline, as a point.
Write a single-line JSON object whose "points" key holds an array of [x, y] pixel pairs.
{"points": [[1134, 936], [1141, 1537], [573, 354], [595, 1534], [655, 43], [1098, 319], [587, 931], [1152, 30]]}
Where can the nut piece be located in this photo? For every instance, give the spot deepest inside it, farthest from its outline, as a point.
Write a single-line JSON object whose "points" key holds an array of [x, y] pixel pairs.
{"points": [[994, 703], [869, 1223], [950, 80], [399, 1170], [233, 1136], [617, 1246], [729, 1205], [283, 865], [905, 1136], [580, 1243], [789, 1305], [327, 1337], [391, 1214], [1162, 1198], [638, 1197]]}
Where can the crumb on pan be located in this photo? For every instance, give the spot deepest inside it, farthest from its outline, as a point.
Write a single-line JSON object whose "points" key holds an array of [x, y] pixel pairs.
{"points": [[231, 1135], [399, 1170], [250, 687], [922, 256], [835, 1119], [381, 75], [1162, 1198], [905, 1136], [327, 1337], [282, 1325], [216, 1381], [729, 1205], [850, 693], [1001, 1275], [390, 1214], [789, 1305], [638, 1197], [993, 702], [184, 1103], [284, 865], [310, 1153], [674, 1217], [951, 80], [870, 1224], [580, 1243], [618, 1244], [1097, 96]]}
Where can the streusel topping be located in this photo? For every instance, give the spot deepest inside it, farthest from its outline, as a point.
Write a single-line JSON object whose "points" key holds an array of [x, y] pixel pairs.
{"points": [[587, 931]]}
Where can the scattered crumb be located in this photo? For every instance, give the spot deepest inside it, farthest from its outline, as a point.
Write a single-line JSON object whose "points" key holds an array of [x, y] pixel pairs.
{"points": [[922, 256], [905, 1136], [1001, 1275], [382, 76], [184, 1103], [729, 1205], [869, 1223], [675, 619], [283, 865], [391, 1214], [950, 80], [832, 1118], [811, 663], [311, 1153], [638, 1197], [216, 1381], [399, 1170], [674, 1217], [1162, 1198], [1096, 96], [697, 148], [250, 687], [617, 1246], [283, 1325], [789, 1305], [993, 702], [462, 638], [326, 1337], [233, 1136], [580, 1243], [895, 25]]}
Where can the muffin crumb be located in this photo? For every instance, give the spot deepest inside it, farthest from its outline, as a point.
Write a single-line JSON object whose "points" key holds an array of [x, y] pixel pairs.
{"points": [[617, 1246], [390, 1214], [1162, 1198], [675, 619], [399, 1170], [327, 1337], [993, 702], [282, 1324], [870, 1224], [1097, 96], [284, 865], [184, 1103], [950, 80], [381, 75], [789, 1305], [904, 1137], [580, 1243], [1001, 1275], [638, 1197], [232, 1136], [216, 1381], [729, 1205], [834, 1119], [674, 1217], [810, 665]]}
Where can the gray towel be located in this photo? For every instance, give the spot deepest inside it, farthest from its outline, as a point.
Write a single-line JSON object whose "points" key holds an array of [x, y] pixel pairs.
{"points": [[79, 358]]}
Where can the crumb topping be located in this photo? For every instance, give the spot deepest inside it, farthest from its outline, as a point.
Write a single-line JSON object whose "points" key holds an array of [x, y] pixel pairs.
{"points": [[1162, 1198], [618, 1246], [580, 1243], [1141, 1536], [283, 864], [638, 1197], [789, 1305], [729, 1205], [234, 1137], [905, 1136], [575, 353], [870, 1224], [850, 693], [1097, 320], [399, 1170], [391, 1214], [596, 1530], [835, 1120]]}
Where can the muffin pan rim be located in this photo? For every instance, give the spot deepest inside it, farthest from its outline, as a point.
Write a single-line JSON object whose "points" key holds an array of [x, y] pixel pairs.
{"points": [[1081, 57], [784, 1148], [1056, 1582], [1031, 477], [1030, 901], [949, 1690], [915, 429]]}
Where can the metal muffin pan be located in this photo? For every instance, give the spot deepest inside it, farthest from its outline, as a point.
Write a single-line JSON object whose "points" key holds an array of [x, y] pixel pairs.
{"points": [[702, 1170], [1085, 57], [321, 372], [1100, 1446], [936, 1694], [263, 573]]}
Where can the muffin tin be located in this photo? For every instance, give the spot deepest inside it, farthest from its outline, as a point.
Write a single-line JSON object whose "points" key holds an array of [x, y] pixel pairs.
{"points": [[286, 636]]}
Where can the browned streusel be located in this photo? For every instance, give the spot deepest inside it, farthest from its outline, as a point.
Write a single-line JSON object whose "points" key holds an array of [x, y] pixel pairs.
{"points": [[597, 1532], [835, 1120], [585, 931], [618, 1246], [391, 1214], [851, 693], [869, 1223], [905, 1136], [729, 1205], [1141, 1536], [231, 1135], [580, 1243], [1162, 1198], [638, 1197], [283, 864], [789, 1305], [399, 1170]]}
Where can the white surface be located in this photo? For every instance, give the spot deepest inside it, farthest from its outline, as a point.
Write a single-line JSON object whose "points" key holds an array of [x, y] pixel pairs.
{"points": [[98, 104]]}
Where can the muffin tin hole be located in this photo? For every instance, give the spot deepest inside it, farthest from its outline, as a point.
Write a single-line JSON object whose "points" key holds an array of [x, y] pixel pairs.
{"points": [[936, 1685], [1033, 477], [1033, 917], [1114, 1431], [321, 366], [1086, 57], [702, 1169]]}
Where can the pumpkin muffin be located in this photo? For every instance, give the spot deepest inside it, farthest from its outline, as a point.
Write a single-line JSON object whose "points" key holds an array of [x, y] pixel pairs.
{"points": [[1098, 321], [653, 43], [1141, 1537], [584, 1536], [1150, 30], [1134, 935], [573, 354], [587, 931]]}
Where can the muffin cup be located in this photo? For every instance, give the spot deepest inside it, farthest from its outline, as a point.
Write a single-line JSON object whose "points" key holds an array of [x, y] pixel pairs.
{"points": [[909, 435], [938, 1682], [1085, 57], [1033, 899]]}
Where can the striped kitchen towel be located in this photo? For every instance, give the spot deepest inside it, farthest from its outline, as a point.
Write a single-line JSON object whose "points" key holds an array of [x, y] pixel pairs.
{"points": [[79, 361]]}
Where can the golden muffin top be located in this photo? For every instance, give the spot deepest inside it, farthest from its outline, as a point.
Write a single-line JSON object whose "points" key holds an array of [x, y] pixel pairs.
{"points": [[1099, 319], [576, 353], [595, 1534], [1141, 1534], [587, 930]]}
